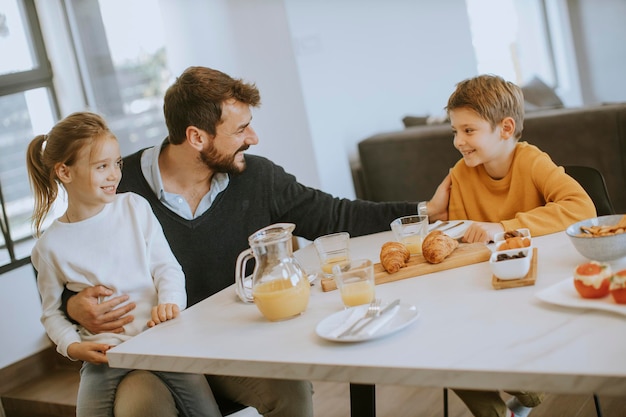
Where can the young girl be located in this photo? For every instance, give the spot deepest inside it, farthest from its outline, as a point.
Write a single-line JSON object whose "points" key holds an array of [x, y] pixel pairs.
{"points": [[103, 238]]}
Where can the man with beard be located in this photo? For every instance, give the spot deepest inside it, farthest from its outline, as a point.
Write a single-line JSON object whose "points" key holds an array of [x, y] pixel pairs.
{"points": [[209, 197]]}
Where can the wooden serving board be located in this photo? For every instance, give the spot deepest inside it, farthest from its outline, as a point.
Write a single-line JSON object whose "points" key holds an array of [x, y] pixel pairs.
{"points": [[465, 254], [529, 279]]}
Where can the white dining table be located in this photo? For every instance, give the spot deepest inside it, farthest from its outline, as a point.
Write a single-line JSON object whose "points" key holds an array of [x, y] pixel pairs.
{"points": [[467, 335]]}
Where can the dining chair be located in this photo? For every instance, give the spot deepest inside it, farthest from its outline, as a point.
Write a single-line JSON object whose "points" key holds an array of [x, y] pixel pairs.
{"points": [[593, 182]]}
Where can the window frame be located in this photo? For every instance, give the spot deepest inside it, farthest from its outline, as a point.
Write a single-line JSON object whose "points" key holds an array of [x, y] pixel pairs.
{"points": [[19, 82], [41, 76]]}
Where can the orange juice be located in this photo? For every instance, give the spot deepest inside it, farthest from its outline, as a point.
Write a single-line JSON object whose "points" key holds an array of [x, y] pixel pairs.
{"points": [[413, 244], [327, 267], [357, 293], [279, 299]]}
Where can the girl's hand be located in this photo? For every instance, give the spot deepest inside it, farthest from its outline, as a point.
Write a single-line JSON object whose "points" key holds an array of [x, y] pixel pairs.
{"points": [[89, 352], [163, 312], [482, 232]]}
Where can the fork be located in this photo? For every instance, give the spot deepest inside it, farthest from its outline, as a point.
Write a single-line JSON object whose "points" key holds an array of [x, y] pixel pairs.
{"points": [[372, 310]]}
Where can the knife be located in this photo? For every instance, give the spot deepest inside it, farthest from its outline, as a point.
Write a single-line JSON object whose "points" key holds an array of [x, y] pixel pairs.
{"points": [[452, 227], [440, 225], [387, 309]]}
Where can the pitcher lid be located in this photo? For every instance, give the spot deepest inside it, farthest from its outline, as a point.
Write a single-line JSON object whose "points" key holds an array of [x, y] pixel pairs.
{"points": [[276, 231]]}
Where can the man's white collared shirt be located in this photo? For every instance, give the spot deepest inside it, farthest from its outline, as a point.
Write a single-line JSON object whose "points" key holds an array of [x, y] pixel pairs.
{"points": [[176, 202]]}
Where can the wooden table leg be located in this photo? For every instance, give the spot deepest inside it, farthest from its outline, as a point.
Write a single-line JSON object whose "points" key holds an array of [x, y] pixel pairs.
{"points": [[362, 400]]}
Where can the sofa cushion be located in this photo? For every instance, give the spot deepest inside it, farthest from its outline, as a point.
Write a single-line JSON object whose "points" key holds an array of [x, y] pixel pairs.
{"points": [[409, 121], [539, 96], [407, 164]]}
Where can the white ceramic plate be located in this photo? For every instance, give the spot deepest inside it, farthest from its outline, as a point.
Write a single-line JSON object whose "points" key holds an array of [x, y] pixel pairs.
{"points": [[564, 294], [326, 329], [455, 232]]}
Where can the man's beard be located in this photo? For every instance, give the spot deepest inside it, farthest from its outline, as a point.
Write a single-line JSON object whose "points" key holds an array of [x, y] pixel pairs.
{"points": [[217, 162]]}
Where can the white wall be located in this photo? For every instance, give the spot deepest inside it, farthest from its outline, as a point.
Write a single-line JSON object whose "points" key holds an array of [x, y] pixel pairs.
{"points": [[330, 72], [20, 309], [249, 39], [600, 34], [365, 64]]}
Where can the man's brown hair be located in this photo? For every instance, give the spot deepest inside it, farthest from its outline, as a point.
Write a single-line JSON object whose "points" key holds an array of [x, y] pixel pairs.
{"points": [[196, 97]]}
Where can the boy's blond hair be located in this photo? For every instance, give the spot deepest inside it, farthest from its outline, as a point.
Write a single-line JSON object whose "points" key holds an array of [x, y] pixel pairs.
{"points": [[492, 98]]}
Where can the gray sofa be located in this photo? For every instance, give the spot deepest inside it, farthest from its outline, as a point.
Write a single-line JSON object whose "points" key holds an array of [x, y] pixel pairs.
{"points": [[410, 163]]}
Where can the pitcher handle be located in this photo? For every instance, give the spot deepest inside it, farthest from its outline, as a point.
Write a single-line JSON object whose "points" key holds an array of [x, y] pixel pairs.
{"points": [[245, 294]]}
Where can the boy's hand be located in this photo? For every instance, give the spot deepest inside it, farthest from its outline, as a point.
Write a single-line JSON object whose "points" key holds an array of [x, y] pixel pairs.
{"points": [[96, 317], [438, 205], [89, 352], [163, 312], [482, 232]]}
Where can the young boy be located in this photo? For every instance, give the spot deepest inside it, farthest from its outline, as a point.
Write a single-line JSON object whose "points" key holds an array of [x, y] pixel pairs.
{"points": [[501, 184]]}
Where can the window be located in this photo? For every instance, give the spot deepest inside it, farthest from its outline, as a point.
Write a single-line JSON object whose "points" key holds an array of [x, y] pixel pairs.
{"points": [[123, 65], [122, 75], [511, 39], [27, 107]]}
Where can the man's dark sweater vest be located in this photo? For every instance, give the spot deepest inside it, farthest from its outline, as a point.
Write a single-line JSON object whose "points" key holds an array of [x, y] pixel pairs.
{"points": [[206, 247]]}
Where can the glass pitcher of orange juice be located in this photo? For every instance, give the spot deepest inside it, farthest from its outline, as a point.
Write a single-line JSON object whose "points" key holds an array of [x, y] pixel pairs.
{"points": [[278, 286]]}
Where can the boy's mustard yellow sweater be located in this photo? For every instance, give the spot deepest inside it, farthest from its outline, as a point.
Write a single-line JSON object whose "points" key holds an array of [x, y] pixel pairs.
{"points": [[535, 193]]}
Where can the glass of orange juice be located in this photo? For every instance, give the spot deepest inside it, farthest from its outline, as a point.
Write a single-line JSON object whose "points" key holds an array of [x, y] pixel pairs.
{"points": [[355, 280], [332, 250], [411, 231]]}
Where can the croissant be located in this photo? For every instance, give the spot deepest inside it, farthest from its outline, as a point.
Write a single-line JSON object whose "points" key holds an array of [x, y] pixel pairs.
{"points": [[437, 246], [393, 256]]}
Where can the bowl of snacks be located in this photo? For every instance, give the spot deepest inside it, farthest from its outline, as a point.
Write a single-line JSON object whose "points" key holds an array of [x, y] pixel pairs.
{"points": [[511, 263], [600, 238]]}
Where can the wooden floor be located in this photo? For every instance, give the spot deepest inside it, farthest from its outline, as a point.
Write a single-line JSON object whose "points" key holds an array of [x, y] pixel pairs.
{"points": [[332, 400], [56, 396]]}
